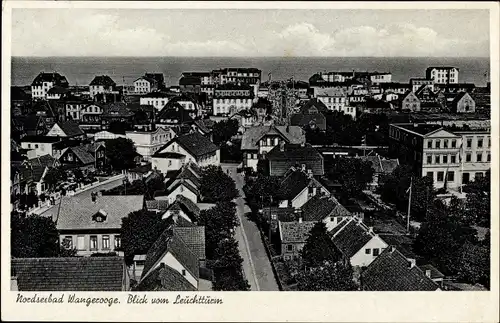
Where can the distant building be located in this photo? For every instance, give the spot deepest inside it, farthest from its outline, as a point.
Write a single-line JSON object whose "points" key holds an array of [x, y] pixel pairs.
{"points": [[449, 157], [399, 88], [156, 99], [284, 156], [442, 74], [190, 84], [43, 82], [41, 145], [68, 129], [336, 100], [102, 84], [145, 85], [91, 116], [231, 98], [409, 101], [148, 143], [418, 83], [463, 103]]}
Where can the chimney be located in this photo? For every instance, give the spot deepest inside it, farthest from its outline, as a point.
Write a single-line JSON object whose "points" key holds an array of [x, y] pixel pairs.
{"points": [[300, 218], [412, 263], [428, 273], [282, 146], [303, 167], [392, 248], [370, 229], [162, 265], [309, 173], [287, 128]]}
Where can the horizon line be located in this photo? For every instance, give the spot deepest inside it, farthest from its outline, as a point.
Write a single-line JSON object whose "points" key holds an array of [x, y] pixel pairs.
{"points": [[201, 56]]}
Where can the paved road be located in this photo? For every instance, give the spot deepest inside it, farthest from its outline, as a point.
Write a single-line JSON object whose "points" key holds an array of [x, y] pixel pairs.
{"points": [[256, 265], [83, 194]]}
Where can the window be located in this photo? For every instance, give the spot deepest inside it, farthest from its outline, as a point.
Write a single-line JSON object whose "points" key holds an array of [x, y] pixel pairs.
{"points": [[453, 143], [429, 159], [169, 163], [310, 190], [445, 143], [489, 142], [451, 176], [68, 241], [479, 157], [430, 175], [289, 247], [118, 242], [465, 178], [453, 159], [105, 242], [80, 243], [376, 252], [445, 159], [367, 251], [183, 272], [437, 159], [480, 143], [29, 145], [440, 176], [438, 143], [468, 157], [488, 157], [468, 144], [93, 242]]}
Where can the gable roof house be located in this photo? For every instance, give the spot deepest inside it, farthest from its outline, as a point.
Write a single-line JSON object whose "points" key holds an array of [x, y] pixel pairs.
{"points": [[75, 274], [391, 271], [186, 183], [195, 147], [325, 209], [173, 115], [43, 82], [68, 129], [297, 187], [182, 207], [293, 236], [358, 243], [93, 225], [258, 141], [463, 103], [284, 156], [170, 250], [83, 156], [102, 85]]}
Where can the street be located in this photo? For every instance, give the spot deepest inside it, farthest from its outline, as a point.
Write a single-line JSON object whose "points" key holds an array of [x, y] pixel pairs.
{"points": [[256, 264], [117, 182]]}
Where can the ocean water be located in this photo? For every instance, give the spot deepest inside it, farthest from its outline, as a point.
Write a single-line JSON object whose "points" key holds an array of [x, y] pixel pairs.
{"points": [[81, 70]]}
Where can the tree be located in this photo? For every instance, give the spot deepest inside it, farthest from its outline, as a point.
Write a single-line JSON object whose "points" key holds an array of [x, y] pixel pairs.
{"points": [[33, 236], [353, 173], [330, 277], [217, 185], [440, 239], [319, 248], [227, 254], [54, 176], [262, 190], [121, 153], [119, 127], [230, 279], [139, 230], [395, 191], [77, 172], [224, 130], [478, 199]]}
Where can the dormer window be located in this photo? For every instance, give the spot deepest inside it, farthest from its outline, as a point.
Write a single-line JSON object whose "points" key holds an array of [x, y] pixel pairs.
{"points": [[100, 216]]}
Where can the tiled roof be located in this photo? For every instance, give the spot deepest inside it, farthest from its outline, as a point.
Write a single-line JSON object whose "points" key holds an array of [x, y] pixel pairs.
{"points": [[294, 152], [44, 161], [292, 134], [293, 184], [434, 272], [319, 207], [170, 241], [142, 169], [203, 125], [157, 205], [169, 154], [295, 231], [194, 143], [351, 237], [303, 120], [56, 78], [69, 274], [70, 128], [37, 173], [164, 278], [82, 154], [103, 80], [188, 206], [76, 212], [174, 112], [313, 103], [402, 242], [194, 237], [391, 271]]}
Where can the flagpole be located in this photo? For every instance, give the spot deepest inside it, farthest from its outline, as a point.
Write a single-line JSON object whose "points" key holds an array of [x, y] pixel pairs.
{"points": [[409, 207]]}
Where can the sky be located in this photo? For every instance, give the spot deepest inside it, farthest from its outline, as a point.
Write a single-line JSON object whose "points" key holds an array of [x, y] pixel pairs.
{"points": [[257, 33]]}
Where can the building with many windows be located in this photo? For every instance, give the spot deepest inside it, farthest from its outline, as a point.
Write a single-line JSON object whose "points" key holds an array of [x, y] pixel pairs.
{"points": [[442, 74], [231, 98], [43, 82], [452, 158]]}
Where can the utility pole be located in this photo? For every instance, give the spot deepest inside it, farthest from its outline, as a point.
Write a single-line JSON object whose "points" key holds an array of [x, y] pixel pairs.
{"points": [[409, 207]]}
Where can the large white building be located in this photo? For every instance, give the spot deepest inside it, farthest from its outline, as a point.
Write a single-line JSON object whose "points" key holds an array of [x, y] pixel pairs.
{"points": [[148, 142], [43, 82], [442, 74], [102, 84], [335, 99], [231, 98], [156, 99]]}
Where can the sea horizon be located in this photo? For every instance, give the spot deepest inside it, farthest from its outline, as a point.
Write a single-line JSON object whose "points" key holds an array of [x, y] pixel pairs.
{"points": [[125, 69]]}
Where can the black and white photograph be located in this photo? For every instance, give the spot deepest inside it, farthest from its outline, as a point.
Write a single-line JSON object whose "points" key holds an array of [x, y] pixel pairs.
{"points": [[279, 150]]}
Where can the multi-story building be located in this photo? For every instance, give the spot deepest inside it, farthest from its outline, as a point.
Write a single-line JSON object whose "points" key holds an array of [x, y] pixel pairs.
{"points": [[409, 101], [90, 116], [418, 83], [336, 100], [145, 85], [230, 98], [43, 82], [250, 76], [148, 142], [156, 99], [373, 77], [451, 158], [442, 74], [102, 84]]}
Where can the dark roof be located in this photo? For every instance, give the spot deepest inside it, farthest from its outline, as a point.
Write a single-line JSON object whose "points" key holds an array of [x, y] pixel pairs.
{"points": [[18, 94], [303, 120], [157, 205], [37, 173], [103, 80], [189, 207], [194, 237], [174, 111], [295, 231], [319, 207], [313, 103], [434, 272], [194, 143], [57, 90], [44, 161], [351, 237], [403, 243], [69, 274], [70, 128], [293, 184], [394, 85], [422, 129], [204, 126], [76, 212], [292, 134], [294, 152], [44, 139], [169, 154], [190, 80], [142, 169], [234, 86], [381, 165], [164, 278], [171, 241], [54, 77], [459, 97], [391, 271], [82, 154], [159, 95]]}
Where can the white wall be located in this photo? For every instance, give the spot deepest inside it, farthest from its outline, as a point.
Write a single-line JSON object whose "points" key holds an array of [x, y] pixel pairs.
{"points": [[303, 196], [172, 262], [56, 131], [43, 148], [166, 164], [361, 258], [181, 190]]}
